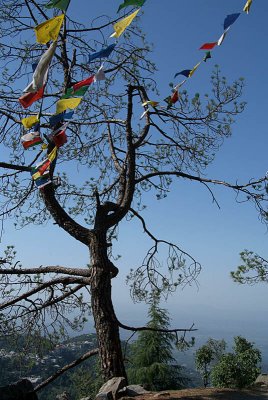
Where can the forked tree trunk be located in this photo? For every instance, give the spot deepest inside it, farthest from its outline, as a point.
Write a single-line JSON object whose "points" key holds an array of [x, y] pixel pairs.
{"points": [[107, 329]]}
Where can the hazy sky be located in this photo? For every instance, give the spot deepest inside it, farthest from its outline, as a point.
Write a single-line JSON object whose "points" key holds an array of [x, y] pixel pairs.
{"points": [[218, 307]]}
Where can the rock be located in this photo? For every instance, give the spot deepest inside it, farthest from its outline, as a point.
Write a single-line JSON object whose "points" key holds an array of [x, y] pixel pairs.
{"points": [[63, 396], [162, 394], [110, 389], [86, 398], [135, 390], [262, 379], [21, 390]]}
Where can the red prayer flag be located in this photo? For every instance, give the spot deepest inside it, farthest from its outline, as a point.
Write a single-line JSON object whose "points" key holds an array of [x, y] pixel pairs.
{"points": [[33, 142], [60, 138], [85, 82], [208, 46], [29, 98], [174, 97]]}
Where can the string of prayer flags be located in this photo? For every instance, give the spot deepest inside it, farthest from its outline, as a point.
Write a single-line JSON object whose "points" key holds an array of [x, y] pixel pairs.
{"points": [[126, 3], [104, 53], [55, 119], [49, 30], [64, 104], [85, 82], [208, 46], [194, 69], [60, 4], [120, 26], [28, 99], [31, 139], [247, 6], [100, 75], [41, 71], [229, 20], [29, 122]]}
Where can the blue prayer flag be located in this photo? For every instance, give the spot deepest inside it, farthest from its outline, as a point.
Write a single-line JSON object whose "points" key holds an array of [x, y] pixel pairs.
{"points": [[229, 20], [104, 53]]}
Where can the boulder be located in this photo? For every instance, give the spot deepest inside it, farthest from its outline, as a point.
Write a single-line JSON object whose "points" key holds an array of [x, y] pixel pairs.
{"points": [[110, 389], [262, 379], [21, 390], [135, 390]]}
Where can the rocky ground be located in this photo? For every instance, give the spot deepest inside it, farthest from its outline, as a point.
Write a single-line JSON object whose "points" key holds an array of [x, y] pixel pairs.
{"points": [[208, 394]]}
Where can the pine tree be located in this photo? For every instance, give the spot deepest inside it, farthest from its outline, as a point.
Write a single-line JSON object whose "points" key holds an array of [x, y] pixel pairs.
{"points": [[152, 363]]}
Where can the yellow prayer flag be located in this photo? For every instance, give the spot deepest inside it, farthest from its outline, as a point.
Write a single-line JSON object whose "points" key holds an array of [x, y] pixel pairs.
{"points": [[120, 26], [52, 155], [194, 69], [150, 103], [247, 6], [63, 104], [49, 30], [30, 121]]}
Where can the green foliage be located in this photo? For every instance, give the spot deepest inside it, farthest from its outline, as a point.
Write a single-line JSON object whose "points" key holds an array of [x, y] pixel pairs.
{"points": [[253, 270], [152, 363], [207, 355], [238, 369]]}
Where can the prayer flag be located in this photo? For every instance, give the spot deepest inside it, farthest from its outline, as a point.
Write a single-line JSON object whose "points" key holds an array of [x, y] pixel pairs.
{"points": [[185, 72], [55, 119], [126, 3], [247, 6], [59, 135], [78, 93], [120, 26], [229, 20], [29, 98], [29, 122], [31, 139], [64, 104], [41, 71], [150, 103], [44, 165], [174, 97], [61, 4], [85, 82], [179, 85], [100, 75], [208, 46], [221, 39], [104, 53], [43, 181], [49, 30], [194, 69], [207, 56]]}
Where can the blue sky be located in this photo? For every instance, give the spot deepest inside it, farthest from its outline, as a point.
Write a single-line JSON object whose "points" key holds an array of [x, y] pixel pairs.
{"points": [[217, 306]]}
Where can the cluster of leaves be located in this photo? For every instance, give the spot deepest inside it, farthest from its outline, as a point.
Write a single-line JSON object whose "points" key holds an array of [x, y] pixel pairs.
{"points": [[253, 270], [233, 370]]}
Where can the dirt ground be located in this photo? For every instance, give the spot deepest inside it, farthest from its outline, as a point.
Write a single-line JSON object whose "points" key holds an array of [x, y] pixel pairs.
{"points": [[208, 394]]}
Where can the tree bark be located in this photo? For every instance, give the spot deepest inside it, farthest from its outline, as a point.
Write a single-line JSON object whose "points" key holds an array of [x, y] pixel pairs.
{"points": [[107, 329]]}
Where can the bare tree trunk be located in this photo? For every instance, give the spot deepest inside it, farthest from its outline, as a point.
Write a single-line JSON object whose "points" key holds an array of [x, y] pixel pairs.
{"points": [[106, 325]]}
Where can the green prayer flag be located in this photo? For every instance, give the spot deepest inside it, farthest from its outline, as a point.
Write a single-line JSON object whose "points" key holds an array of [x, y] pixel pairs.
{"points": [[61, 4], [126, 3], [71, 93]]}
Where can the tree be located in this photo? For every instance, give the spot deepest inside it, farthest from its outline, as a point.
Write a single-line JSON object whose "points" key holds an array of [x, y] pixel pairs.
{"points": [[207, 355], [124, 158], [238, 369], [253, 270], [151, 361]]}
